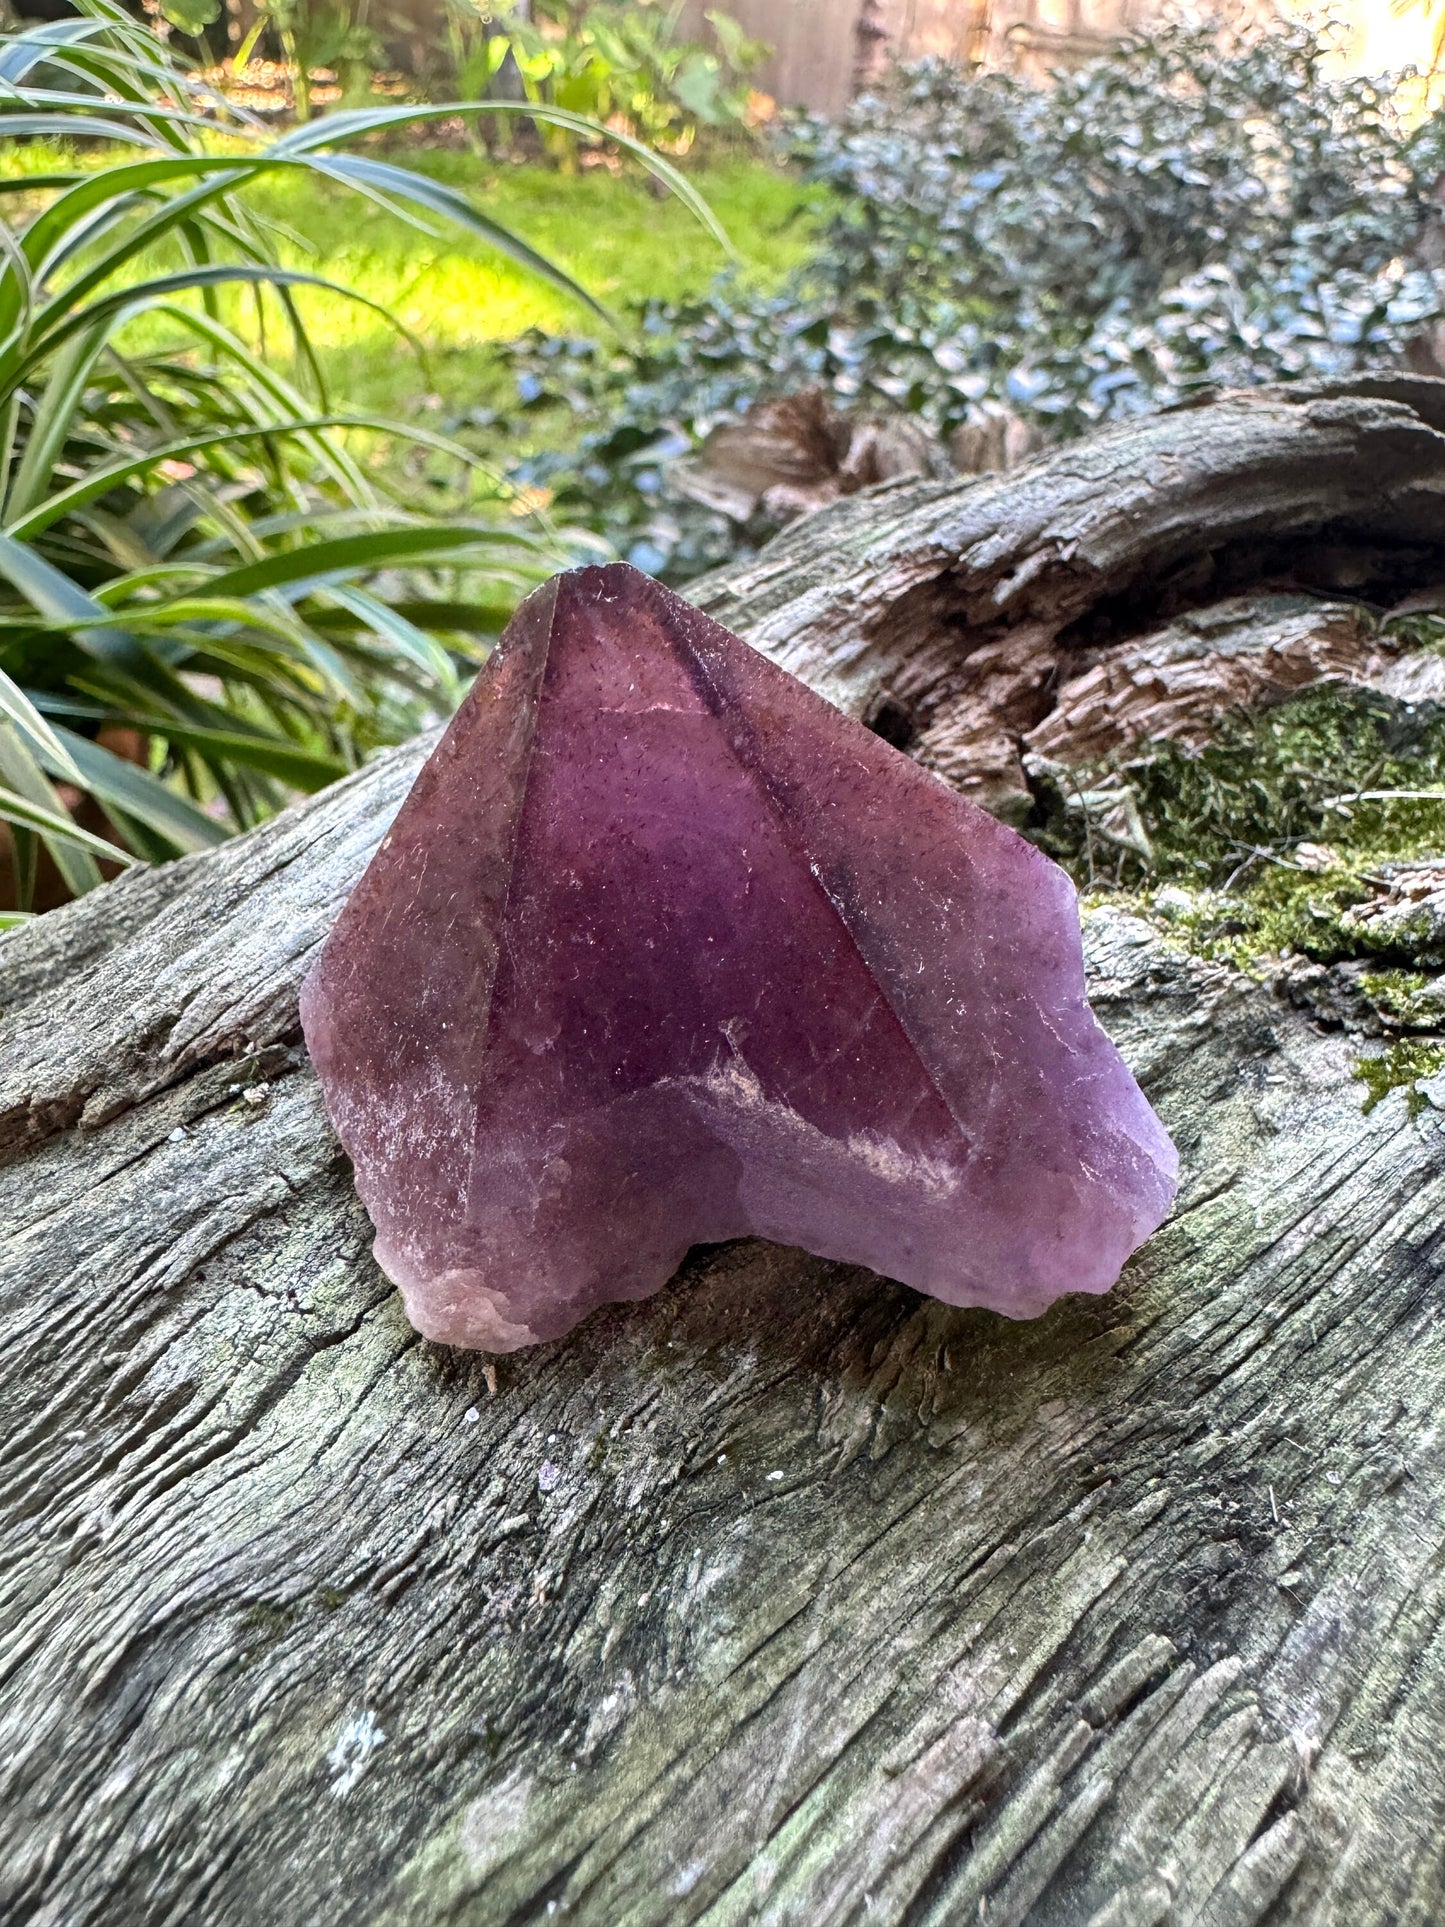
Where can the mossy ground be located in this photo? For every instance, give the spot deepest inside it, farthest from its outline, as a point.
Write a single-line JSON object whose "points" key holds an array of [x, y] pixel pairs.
{"points": [[1307, 771], [1260, 845], [1262, 841]]}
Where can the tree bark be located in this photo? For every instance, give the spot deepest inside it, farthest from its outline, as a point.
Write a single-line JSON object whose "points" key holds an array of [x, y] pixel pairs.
{"points": [[788, 1596]]}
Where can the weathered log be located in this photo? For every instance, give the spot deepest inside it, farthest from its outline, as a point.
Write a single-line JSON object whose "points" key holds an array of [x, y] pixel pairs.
{"points": [[955, 612], [787, 1596]]}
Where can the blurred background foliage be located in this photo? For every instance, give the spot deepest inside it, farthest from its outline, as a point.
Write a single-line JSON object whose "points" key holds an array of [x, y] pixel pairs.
{"points": [[615, 61], [293, 415], [216, 586], [1202, 206]]}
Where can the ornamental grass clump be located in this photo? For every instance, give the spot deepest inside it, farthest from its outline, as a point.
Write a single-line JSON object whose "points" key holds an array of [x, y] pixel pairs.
{"points": [[210, 596]]}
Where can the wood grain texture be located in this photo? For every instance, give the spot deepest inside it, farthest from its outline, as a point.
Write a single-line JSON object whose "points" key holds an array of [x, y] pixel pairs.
{"points": [[962, 609], [785, 1597]]}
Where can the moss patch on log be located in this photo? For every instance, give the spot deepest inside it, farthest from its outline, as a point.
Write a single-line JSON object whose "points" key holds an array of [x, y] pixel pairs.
{"points": [[1269, 781], [1406, 1064], [1266, 844]]}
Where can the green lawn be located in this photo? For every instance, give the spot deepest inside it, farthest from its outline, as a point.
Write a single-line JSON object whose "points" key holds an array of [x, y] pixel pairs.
{"points": [[618, 234], [614, 233]]}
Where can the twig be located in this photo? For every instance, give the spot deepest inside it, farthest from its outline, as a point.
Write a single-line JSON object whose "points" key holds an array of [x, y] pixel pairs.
{"points": [[1383, 796]]}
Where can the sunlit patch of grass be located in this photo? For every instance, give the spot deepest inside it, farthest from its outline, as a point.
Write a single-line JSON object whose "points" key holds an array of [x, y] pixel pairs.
{"points": [[620, 239]]}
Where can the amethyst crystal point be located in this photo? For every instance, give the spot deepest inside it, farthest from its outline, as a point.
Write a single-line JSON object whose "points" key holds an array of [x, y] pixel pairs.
{"points": [[663, 950]]}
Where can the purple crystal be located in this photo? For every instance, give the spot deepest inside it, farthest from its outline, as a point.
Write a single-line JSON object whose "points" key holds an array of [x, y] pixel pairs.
{"points": [[662, 950]]}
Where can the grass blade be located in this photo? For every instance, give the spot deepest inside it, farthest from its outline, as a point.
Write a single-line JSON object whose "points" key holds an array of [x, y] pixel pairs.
{"points": [[60, 833], [402, 185], [351, 554], [18, 710], [353, 124], [272, 755], [140, 795]]}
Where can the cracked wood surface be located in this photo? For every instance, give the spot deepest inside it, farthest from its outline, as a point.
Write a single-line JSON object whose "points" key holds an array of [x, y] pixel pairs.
{"points": [[964, 609], [785, 1597]]}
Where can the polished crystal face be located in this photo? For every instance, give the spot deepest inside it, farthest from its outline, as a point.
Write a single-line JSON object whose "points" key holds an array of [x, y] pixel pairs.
{"points": [[662, 950]]}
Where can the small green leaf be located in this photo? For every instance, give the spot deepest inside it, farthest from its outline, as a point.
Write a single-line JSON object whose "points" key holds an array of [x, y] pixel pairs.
{"points": [[191, 16]]}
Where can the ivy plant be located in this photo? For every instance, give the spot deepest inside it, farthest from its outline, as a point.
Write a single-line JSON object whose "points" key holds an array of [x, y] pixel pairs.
{"points": [[1199, 206]]}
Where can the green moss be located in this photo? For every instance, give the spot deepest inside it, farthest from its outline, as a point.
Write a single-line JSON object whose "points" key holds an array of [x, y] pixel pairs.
{"points": [[1407, 1063], [267, 1619], [1276, 914], [1268, 781], [261, 1625], [1422, 632], [1395, 993], [1224, 825]]}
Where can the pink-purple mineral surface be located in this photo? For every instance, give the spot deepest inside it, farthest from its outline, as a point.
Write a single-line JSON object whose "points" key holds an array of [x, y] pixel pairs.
{"points": [[663, 950]]}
